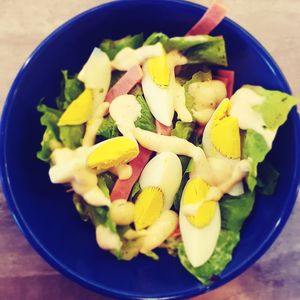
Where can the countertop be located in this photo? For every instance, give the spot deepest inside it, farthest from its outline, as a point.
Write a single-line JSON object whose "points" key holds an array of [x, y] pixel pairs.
{"points": [[23, 273]]}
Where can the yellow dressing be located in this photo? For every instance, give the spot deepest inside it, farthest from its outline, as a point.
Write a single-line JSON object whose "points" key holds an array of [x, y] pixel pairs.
{"points": [[79, 111], [148, 207], [113, 152]]}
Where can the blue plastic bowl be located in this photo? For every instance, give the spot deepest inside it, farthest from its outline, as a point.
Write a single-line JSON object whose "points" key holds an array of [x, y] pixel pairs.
{"points": [[45, 213]]}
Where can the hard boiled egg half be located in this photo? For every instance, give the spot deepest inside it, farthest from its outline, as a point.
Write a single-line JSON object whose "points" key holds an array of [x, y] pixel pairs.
{"points": [[222, 145], [200, 231], [159, 181]]}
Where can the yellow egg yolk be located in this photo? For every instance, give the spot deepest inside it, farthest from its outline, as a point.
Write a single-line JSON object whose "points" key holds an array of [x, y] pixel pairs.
{"points": [[195, 192], [148, 207], [159, 70], [112, 153], [79, 111], [225, 132]]}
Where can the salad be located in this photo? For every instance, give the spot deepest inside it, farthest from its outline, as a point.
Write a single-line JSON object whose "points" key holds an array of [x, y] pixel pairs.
{"points": [[158, 149]]}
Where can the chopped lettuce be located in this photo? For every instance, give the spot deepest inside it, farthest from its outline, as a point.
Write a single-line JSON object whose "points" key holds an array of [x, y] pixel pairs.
{"points": [[183, 130], [267, 178], [135, 190], [108, 128], [235, 210], [221, 256], [50, 140], [156, 37], [146, 120], [276, 106], [71, 88], [202, 49], [71, 135], [106, 182], [255, 148], [113, 47]]}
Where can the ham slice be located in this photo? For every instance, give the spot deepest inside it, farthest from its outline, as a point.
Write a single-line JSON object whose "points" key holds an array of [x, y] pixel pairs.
{"points": [[122, 188], [226, 76], [209, 21], [125, 84], [163, 129]]}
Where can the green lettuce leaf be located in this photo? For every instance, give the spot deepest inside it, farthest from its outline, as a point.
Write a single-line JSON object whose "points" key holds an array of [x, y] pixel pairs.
{"points": [[183, 130], [276, 106], [106, 182], [108, 128], [221, 256], [113, 47], [49, 118], [202, 49], [235, 210], [254, 148], [267, 178], [146, 120], [71, 88], [71, 135], [156, 37], [135, 190]]}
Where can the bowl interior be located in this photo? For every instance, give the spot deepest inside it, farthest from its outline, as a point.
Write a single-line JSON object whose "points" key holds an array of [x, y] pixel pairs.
{"points": [[45, 212]]}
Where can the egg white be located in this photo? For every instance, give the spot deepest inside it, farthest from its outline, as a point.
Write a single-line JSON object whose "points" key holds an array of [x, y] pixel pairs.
{"points": [[163, 171]]}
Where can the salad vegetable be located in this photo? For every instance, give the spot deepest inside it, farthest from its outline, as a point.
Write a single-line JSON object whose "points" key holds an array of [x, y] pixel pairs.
{"points": [[160, 150]]}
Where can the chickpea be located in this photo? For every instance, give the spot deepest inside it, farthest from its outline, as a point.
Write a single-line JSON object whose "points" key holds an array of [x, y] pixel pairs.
{"points": [[122, 212]]}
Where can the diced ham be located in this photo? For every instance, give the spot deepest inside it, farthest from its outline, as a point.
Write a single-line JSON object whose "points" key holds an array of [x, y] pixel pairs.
{"points": [[229, 76], [163, 129], [122, 188], [212, 17], [125, 84]]}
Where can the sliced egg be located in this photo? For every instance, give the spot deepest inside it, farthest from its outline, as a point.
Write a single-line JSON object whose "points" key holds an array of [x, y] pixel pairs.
{"points": [[113, 152], [148, 207], [96, 73], [164, 171], [222, 141], [199, 232], [79, 111]]}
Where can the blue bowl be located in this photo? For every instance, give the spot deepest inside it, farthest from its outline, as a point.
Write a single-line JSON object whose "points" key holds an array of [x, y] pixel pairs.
{"points": [[45, 213]]}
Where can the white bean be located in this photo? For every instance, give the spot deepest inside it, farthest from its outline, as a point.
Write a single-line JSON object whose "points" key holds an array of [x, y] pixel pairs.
{"points": [[122, 212], [159, 231]]}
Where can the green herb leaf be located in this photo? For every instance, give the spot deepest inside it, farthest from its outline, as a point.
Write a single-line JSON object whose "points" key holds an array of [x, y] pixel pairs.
{"points": [[156, 37], [183, 130], [71, 135], [108, 128], [135, 190]]}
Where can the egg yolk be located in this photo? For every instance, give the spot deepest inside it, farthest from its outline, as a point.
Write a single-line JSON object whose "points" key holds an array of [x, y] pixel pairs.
{"points": [[159, 70], [79, 111], [195, 191], [148, 207], [225, 132], [113, 152]]}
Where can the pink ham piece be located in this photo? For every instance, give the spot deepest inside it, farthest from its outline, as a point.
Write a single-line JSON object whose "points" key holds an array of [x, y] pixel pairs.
{"points": [[227, 76], [209, 21], [122, 188], [163, 129], [125, 84]]}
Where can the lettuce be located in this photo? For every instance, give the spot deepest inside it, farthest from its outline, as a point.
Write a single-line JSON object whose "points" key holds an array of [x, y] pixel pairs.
{"points": [[50, 140], [71, 135], [183, 130], [255, 148], [135, 190], [146, 120], [235, 210], [108, 128], [111, 48], [156, 37], [221, 256], [267, 178], [276, 106], [106, 182], [71, 88]]}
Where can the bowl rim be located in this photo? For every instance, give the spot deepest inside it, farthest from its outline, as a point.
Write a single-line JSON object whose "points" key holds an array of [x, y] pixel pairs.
{"points": [[97, 287]]}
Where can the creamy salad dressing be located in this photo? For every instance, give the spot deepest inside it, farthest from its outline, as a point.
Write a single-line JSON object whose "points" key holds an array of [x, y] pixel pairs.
{"points": [[242, 108], [128, 57], [122, 171], [69, 166]]}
